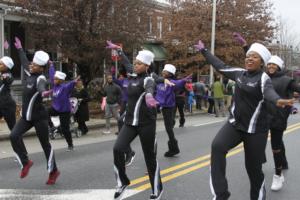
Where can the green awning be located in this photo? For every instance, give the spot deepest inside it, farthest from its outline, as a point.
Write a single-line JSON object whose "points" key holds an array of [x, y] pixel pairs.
{"points": [[158, 50]]}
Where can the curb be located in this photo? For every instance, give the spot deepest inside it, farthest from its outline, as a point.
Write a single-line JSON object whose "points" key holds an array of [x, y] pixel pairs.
{"points": [[4, 137]]}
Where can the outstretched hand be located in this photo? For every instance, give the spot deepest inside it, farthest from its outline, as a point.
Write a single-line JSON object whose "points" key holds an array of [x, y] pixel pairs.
{"points": [[188, 78], [18, 43], [168, 83], [200, 46], [111, 45], [239, 38], [77, 79]]}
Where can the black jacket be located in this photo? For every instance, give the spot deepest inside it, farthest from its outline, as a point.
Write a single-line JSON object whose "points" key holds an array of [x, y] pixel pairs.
{"points": [[32, 101], [6, 80], [284, 86], [248, 112], [112, 92], [137, 112], [83, 109]]}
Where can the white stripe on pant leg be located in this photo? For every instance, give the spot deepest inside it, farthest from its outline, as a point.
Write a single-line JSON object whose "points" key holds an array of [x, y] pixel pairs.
{"points": [[262, 193], [19, 160], [119, 183], [211, 186], [50, 161], [156, 179]]}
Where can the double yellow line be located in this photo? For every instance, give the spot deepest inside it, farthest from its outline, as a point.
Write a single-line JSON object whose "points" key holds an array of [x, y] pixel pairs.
{"points": [[190, 166]]}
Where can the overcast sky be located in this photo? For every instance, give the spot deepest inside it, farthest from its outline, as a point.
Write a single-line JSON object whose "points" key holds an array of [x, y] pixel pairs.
{"points": [[289, 9]]}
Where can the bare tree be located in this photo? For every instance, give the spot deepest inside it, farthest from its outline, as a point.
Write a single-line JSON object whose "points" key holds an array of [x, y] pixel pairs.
{"points": [[191, 21], [79, 28]]}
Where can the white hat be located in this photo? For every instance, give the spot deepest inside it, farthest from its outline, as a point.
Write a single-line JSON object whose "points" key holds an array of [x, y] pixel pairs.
{"points": [[40, 58], [145, 56], [7, 61], [277, 61], [170, 68], [264, 53], [60, 75]]}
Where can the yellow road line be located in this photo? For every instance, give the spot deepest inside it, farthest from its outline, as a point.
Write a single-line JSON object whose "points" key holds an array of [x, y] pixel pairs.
{"points": [[237, 150]]}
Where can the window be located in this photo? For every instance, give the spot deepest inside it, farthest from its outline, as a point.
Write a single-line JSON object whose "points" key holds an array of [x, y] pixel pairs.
{"points": [[150, 25], [159, 26]]}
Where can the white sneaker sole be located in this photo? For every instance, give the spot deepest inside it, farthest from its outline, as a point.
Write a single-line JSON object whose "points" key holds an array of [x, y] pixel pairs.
{"points": [[131, 161], [158, 198]]}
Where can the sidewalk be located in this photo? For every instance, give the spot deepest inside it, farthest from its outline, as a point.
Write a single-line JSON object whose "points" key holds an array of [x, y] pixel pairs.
{"points": [[93, 123]]}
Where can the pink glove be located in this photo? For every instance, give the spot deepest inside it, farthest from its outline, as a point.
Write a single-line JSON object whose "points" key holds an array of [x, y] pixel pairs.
{"points": [[47, 93], [239, 38], [150, 101], [18, 43], [200, 46], [111, 45], [6, 45]]}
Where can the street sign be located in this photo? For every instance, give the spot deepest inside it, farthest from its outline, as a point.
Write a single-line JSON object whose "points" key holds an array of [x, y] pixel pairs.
{"points": [[114, 54]]}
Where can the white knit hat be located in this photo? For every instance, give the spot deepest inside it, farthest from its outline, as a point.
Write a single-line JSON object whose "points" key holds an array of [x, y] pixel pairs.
{"points": [[170, 68], [264, 53], [40, 58], [60, 75], [7, 61], [145, 56], [277, 61]]}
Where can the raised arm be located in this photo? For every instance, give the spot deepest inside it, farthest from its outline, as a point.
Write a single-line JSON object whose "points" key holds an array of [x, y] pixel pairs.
{"points": [[219, 65], [23, 58], [124, 59], [241, 40], [51, 73]]}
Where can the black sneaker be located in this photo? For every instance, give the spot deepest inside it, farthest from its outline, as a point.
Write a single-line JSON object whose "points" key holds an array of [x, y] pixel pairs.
{"points": [[70, 148], [129, 158], [156, 197], [120, 192]]}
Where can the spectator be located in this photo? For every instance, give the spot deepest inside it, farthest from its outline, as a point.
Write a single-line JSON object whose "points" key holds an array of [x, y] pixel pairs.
{"points": [[218, 95], [82, 114], [199, 89], [112, 92]]}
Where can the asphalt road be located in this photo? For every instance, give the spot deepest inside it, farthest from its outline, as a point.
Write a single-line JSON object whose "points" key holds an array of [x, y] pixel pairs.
{"points": [[87, 172]]}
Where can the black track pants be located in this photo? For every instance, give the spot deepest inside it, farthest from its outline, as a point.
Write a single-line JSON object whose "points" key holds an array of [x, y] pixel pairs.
{"points": [[180, 107], [148, 141], [278, 147], [254, 146], [168, 114], [16, 138], [64, 118]]}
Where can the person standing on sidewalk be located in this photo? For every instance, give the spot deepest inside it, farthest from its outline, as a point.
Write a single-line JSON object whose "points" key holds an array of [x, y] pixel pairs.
{"points": [[82, 114], [248, 121], [218, 93], [284, 86], [180, 102], [140, 120], [165, 95], [113, 93], [199, 89], [61, 106], [34, 114]]}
